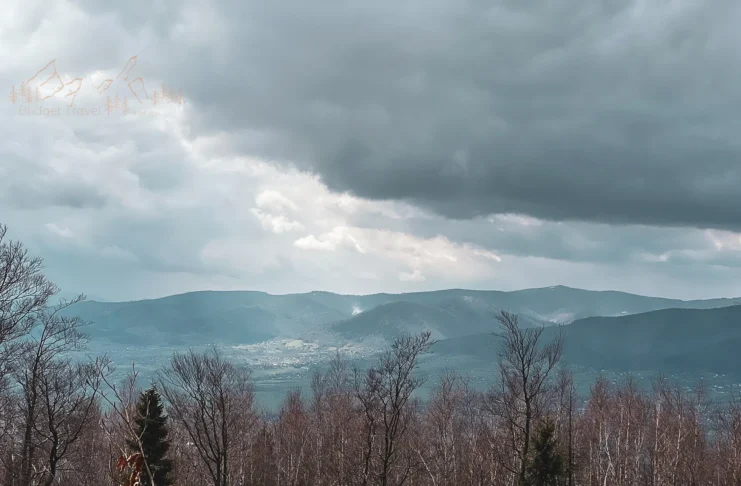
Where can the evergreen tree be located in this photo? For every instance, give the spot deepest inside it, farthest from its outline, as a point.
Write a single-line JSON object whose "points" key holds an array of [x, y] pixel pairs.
{"points": [[546, 466], [150, 426]]}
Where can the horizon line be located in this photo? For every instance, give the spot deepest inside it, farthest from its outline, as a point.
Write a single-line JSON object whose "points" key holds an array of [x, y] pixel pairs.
{"points": [[550, 287]]}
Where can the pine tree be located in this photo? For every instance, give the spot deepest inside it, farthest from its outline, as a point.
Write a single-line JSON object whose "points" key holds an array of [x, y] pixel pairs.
{"points": [[546, 466], [151, 427]]}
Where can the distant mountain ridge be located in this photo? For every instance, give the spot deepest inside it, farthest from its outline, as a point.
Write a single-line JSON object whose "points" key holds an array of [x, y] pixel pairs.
{"points": [[244, 317], [684, 340]]}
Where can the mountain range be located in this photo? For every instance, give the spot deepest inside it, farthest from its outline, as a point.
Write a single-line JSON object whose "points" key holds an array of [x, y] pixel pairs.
{"points": [[668, 340], [616, 327]]}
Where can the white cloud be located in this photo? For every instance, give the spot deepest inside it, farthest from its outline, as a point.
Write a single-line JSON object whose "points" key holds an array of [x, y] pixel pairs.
{"points": [[487, 254], [724, 240], [338, 237], [276, 223], [433, 255], [63, 232], [415, 276], [275, 201], [310, 242], [518, 219]]}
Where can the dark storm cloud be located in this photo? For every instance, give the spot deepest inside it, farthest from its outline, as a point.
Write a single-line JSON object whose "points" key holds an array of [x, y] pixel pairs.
{"points": [[613, 111]]}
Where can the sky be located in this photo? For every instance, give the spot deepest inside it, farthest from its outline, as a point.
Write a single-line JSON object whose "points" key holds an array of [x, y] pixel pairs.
{"points": [[384, 146]]}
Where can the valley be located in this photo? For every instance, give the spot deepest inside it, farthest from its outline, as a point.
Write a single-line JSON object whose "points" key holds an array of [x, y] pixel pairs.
{"points": [[283, 339]]}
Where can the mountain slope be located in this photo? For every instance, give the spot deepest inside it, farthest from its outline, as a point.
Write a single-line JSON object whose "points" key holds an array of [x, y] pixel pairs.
{"points": [[244, 317], [202, 317], [395, 318], [456, 316], [669, 339], [555, 304], [690, 339]]}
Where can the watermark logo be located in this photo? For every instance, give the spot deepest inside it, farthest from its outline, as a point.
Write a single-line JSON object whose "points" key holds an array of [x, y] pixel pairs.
{"points": [[125, 95]]}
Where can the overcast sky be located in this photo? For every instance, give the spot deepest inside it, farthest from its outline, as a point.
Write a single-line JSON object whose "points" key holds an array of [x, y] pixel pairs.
{"points": [[367, 146]]}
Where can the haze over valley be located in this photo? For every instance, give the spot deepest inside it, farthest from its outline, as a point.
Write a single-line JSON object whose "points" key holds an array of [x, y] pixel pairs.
{"points": [[285, 338]]}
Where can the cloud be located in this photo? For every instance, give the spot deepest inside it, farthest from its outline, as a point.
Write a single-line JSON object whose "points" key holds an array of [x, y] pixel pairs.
{"points": [[434, 255], [117, 253], [311, 242], [276, 224], [274, 200], [338, 237], [27, 195], [725, 240], [63, 232], [237, 256], [377, 148], [590, 112], [415, 276]]}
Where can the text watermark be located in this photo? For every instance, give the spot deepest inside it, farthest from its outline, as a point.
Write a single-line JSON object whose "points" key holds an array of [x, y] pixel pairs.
{"points": [[34, 97]]}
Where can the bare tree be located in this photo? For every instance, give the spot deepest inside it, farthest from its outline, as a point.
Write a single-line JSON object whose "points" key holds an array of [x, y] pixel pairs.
{"points": [[24, 295], [564, 400], [336, 422], [293, 442], [119, 421], [385, 394], [55, 397], [525, 368], [207, 397], [37, 362], [441, 439], [10, 420], [67, 395], [727, 447]]}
